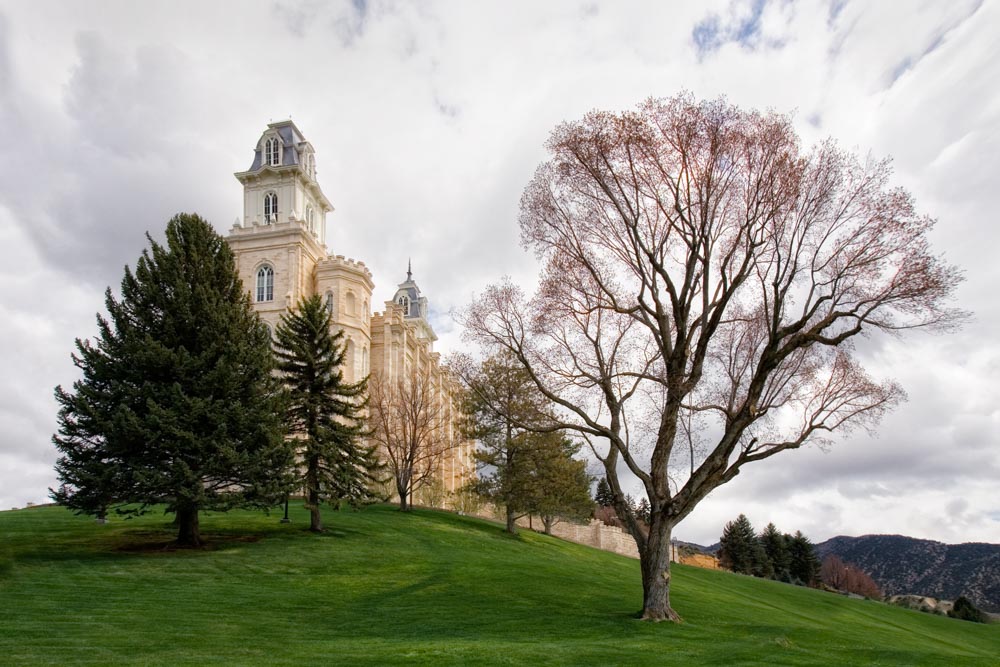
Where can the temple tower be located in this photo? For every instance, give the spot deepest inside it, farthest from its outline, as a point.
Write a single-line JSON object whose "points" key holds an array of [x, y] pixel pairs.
{"points": [[280, 243]]}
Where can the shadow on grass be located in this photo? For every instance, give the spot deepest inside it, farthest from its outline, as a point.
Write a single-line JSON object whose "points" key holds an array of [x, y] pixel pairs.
{"points": [[155, 544]]}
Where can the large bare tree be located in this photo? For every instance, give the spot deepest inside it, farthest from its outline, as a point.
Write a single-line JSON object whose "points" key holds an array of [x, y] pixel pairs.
{"points": [[410, 422], [703, 279]]}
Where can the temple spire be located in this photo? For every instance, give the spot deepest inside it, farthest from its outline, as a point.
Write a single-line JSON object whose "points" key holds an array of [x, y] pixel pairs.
{"points": [[409, 269]]}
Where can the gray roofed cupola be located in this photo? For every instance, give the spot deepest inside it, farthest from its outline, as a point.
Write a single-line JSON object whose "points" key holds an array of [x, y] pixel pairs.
{"points": [[414, 305], [280, 186], [282, 145]]}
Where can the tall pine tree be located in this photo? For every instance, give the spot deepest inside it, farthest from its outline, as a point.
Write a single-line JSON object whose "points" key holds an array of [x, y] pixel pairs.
{"points": [[324, 412], [178, 403]]}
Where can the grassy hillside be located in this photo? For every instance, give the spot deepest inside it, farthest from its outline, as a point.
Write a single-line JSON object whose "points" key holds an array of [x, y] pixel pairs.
{"points": [[382, 587]]}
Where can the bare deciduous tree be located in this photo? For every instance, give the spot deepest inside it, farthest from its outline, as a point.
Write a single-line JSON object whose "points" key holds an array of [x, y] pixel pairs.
{"points": [[704, 276], [848, 578], [410, 423]]}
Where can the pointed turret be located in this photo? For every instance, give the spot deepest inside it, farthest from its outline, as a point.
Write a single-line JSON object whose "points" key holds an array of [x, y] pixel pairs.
{"points": [[414, 305]]}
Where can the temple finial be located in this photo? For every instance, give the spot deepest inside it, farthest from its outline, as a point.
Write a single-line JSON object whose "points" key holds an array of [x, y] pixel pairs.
{"points": [[409, 269]]}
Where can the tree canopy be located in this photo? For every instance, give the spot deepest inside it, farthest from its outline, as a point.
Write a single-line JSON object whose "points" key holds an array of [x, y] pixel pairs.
{"points": [[703, 278], [177, 402]]}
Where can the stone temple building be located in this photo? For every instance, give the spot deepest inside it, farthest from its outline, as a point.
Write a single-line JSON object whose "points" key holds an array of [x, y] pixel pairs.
{"points": [[281, 255]]}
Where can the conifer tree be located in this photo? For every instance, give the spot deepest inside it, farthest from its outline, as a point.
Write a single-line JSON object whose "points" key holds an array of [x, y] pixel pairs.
{"points": [[502, 405], [603, 496], [964, 609], [177, 403], [642, 511], [803, 565], [739, 549], [775, 548], [324, 412], [560, 487]]}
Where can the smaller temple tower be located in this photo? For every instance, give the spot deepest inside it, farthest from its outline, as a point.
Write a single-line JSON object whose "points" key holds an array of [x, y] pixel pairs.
{"points": [[402, 348], [414, 305]]}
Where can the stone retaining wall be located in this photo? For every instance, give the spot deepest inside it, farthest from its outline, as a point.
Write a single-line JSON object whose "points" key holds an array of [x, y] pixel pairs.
{"points": [[595, 534]]}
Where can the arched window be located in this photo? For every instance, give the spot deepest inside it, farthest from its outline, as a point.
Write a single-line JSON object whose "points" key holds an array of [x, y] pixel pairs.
{"points": [[270, 208], [404, 301], [265, 283], [310, 221], [364, 360], [329, 303], [271, 152], [365, 313], [351, 304]]}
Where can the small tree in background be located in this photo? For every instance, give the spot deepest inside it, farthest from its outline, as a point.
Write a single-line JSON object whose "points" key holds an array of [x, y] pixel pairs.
{"points": [[178, 403], [739, 549], [560, 483], [847, 578], [325, 412], [803, 563], [603, 495], [775, 545], [502, 405], [410, 425], [642, 511], [964, 609]]}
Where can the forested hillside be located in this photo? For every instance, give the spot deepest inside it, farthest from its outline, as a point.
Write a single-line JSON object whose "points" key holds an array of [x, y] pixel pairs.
{"points": [[906, 565]]}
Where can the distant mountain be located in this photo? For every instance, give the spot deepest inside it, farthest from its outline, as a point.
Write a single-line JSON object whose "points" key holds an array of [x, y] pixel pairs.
{"points": [[697, 547], [906, 565]]}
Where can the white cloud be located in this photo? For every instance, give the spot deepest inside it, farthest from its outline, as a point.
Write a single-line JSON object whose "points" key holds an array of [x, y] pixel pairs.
{"points": [[429, 119]]}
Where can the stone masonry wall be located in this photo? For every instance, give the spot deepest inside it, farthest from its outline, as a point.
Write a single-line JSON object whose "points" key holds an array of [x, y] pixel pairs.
{"points": [[595, 534]]}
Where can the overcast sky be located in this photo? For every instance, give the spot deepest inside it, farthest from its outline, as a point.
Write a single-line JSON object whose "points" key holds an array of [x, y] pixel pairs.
{"points": [[429, 118]]}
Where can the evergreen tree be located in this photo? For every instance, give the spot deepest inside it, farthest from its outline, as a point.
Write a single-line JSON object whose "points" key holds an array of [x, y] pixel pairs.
{"points": [[604, 497], [324, 412], [964, 609], [177, 403], [803, 564], [643, 510], [762, 566], [503, 406], [739, 549], [776, 550], [560, 486]]}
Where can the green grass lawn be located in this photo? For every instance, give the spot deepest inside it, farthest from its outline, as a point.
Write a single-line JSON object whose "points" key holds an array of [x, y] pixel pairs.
{"points": [[383, 587]]}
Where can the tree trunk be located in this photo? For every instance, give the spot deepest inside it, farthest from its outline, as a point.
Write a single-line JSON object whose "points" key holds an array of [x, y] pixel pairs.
{"points": [[315, 518], [511, 526], [548, 522], [188, 531], [404, 497], [655, 562], [313, 499]]}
